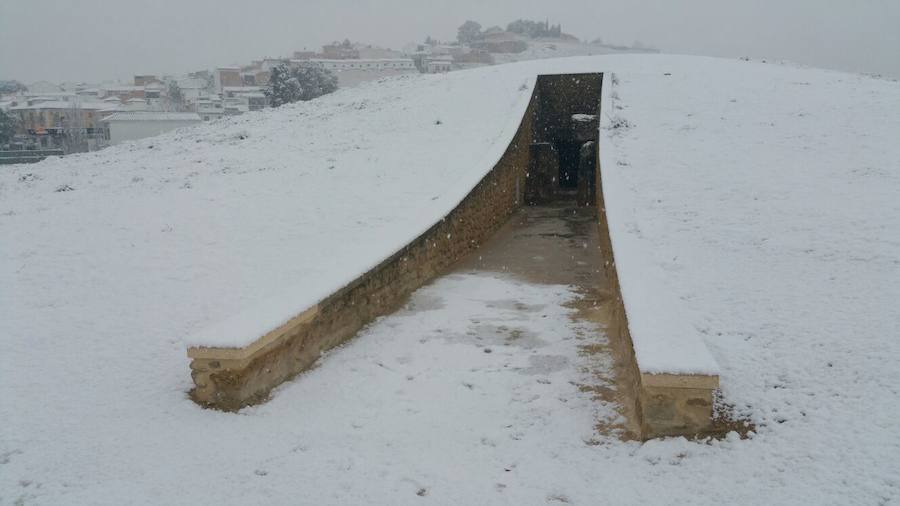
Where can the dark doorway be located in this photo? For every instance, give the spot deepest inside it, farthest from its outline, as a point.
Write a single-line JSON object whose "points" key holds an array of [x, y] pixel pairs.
{"points": [[563, 150]]}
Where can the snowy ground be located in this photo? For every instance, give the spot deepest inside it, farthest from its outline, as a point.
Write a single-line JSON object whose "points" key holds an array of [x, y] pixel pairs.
{"points": [[761, 198], [540, 49], [767, 202], [437, 400]]}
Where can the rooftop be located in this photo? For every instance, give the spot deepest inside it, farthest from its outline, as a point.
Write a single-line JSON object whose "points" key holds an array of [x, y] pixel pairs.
{"points": [[153, 116], [357, 60], [61, 104]]}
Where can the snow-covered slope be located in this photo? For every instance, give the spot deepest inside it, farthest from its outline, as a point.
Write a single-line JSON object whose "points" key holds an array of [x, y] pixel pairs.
{"points": [[265, 214], [539, 49], [760, 198], [766, 199]]}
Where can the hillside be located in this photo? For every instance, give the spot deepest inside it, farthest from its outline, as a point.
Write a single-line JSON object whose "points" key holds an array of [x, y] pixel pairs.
{"points": [[759, 199], [541, 48]]}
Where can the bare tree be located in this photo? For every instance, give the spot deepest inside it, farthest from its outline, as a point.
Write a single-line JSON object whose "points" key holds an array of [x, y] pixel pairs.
{"points": [[174, 97], [74, 130], [8, 124]]}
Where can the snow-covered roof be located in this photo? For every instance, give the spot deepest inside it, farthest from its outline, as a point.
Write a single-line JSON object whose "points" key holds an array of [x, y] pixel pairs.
{"points": [[61, 104], [121, 88], [356, 60], [55, 94], [241, 89], [190, 83], [153, 116]]}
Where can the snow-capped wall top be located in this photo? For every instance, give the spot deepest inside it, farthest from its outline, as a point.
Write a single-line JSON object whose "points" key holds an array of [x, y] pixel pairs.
{"points": [[664, 341]]}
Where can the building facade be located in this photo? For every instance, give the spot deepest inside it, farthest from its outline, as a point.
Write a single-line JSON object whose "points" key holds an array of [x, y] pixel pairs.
{"points": [[132, 125], [72, 125]]}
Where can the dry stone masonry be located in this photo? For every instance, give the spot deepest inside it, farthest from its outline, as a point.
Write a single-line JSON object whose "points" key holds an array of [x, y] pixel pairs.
{"points": [[553, 156]]}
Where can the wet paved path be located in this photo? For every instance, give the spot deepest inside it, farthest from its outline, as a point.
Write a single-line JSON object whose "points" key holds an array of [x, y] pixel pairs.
{"points": [[560, 245]]}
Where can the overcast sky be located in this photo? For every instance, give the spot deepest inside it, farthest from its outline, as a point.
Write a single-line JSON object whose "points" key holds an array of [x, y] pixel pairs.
{"points": [[95, 40]]}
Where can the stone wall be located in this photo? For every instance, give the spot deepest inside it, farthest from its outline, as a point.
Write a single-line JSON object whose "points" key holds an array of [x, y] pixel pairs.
{"points": [[558, 137], [618, 333], [229, 379], [664, 404]]}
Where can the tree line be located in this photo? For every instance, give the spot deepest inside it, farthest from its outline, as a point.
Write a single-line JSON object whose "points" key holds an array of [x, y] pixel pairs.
{"points": [[294, 83], [470, 31]]}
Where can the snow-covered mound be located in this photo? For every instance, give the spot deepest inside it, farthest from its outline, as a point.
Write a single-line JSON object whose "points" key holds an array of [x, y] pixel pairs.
{"points": [[260, 216], [760, 199], [539, 49]]}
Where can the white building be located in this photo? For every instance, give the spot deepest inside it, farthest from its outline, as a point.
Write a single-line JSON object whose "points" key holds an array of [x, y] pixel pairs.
{"points": [[131, 125], [373, 52], [192, 89], [123, 91], [210, 107], [236, 91], [374, 64], [235, 105], [436, 65], [62, 96], [136, 104], [351, 72], [241, 99], [227, 76]]}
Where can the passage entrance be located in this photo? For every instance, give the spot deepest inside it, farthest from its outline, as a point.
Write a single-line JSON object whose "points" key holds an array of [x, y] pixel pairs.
{"points": [[564, 146]]}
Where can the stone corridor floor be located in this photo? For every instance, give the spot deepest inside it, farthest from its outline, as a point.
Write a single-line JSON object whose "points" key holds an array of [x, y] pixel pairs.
{"points": [[559, 244]]}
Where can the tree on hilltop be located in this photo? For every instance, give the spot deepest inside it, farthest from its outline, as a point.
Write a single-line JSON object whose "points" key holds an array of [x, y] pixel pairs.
{"points": [[534, 29], [289, 84], [175, 96], [468, 32], [11, 87]]}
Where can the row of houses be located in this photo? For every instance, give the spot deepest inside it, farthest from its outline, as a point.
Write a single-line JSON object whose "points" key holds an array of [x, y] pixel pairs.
{"points": [[80, 117], [433, 58], [89, 117], [79, 124]]}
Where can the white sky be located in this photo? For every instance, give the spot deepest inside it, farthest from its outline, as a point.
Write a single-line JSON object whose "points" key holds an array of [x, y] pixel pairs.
{"points": [[94, 40]]}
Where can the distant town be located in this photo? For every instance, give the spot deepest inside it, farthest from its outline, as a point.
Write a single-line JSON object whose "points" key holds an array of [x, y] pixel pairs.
{"points": [[49, 119]]}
